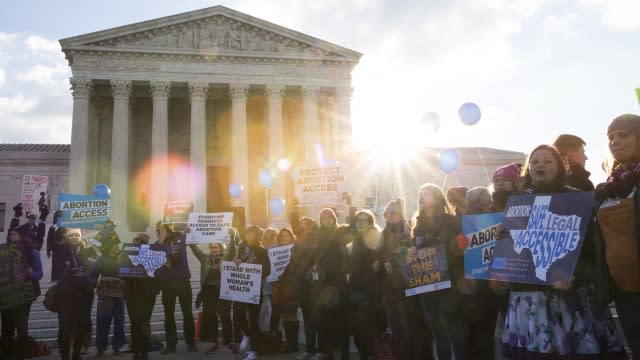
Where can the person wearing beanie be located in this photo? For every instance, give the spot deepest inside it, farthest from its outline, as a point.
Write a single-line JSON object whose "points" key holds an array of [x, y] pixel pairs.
{"points": [[571, 148], [506, 182], [251, 252], [109, 308], [618, 217]]}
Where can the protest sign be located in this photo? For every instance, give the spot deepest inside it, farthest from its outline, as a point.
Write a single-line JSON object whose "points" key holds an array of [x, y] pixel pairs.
{"points": [[32, 186], [479, 231], [426, 271], [279, 258], [207, 228], [241, 283], [141, 260], [177, 213], [15, 287], [83, 211], [319, 185], [544, 237], [110, 286]]}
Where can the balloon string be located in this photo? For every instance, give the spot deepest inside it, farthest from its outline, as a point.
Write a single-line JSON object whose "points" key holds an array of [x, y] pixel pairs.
{"points": [[444, 181], [484, 167]]}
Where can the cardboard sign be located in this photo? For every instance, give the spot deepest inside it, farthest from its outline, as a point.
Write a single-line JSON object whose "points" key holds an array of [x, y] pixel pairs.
{"points": [[208, 228], [427, 271], [479, 232], [241, 283], [83, 211], [32, 186], [319, 185], [141, 260], [544, 237], [279, 258], [110, 286], [15, 287], [177, 213]]}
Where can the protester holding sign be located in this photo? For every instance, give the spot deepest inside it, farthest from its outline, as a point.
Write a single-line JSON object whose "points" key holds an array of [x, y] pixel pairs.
{"points": [[251, 252], [435, 230], [140, 296], [22, 271], [400, 309], [559, 321], [74, 295], [618, 201], [212, 305], [110, 303], [174, 281], [364, 297], [283, 302]]}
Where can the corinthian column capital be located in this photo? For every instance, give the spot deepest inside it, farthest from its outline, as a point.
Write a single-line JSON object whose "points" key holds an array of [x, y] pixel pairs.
{"points": [[81, 87], [121, 88], [160, 89]]}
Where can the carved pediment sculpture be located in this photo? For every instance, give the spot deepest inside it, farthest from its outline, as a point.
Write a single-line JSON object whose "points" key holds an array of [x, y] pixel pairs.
{"points": [[215, 33]]}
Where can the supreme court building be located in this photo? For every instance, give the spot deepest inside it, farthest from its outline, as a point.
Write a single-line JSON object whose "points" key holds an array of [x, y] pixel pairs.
{"points": [[179, 107]]}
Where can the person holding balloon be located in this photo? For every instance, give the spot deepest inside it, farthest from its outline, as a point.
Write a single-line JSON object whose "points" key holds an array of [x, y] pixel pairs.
{"points": [[563, 321]]}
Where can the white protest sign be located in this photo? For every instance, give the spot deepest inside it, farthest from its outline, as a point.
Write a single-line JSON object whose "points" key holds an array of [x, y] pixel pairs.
{"points": [[209, 227], [32, 186], [241, 283], [279, 258], [319, 185]]}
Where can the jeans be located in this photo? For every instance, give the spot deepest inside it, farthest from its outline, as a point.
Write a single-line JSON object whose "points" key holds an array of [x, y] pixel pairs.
{"points": [[182, 290], [140, 297], [109, 308], [441, 311], [627, 306], [74, 319], [252, 327], [15, 319]]}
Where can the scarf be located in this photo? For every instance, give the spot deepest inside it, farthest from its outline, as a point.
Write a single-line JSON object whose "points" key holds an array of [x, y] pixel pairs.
{"points": [[620, 183]]}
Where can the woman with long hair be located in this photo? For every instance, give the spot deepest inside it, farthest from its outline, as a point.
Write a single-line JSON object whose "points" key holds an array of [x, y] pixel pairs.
{"points": [[435, 225], [563, 321]]}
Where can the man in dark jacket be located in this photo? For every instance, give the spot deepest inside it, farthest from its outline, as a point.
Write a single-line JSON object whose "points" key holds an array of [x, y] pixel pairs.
{"points": [[571, 148], [174, 282]]}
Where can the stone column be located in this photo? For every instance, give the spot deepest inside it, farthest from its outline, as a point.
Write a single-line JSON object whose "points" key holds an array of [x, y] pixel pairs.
{"points": [[275, 93], [159, 147], [239, 145], [311, 134], [342, 122], [198, 93], [120, 154], [81, 89]]}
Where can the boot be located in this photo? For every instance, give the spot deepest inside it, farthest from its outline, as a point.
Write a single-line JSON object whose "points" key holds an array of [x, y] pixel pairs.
{"points": [[291, 334]]}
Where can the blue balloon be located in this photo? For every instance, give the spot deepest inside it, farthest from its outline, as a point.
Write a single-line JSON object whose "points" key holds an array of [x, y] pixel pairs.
{"points": [[102, 190], [469, 113], [448, 160], [266, 178], [276, 206], [235, 190]]}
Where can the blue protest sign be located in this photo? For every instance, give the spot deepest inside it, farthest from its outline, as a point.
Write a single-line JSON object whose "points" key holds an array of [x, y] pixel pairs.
{"points": [[479, 231], [544, 238], [83, 211], [141, 260], [426, 270]]}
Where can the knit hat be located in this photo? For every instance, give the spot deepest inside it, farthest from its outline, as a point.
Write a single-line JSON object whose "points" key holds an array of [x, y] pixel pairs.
{"points": [[456, 194], [627, 122], [329, 212], [396, 205], [510, 172]]}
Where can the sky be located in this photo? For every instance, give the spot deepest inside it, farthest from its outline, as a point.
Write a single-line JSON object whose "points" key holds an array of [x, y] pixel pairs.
{"points": [[536, 69]]}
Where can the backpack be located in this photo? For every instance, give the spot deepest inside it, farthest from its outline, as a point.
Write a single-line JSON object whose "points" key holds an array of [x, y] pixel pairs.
{"points": [[50, 299]]}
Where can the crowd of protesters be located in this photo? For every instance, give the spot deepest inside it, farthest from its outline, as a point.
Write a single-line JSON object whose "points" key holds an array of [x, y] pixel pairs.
{"points": [[346, 280]]}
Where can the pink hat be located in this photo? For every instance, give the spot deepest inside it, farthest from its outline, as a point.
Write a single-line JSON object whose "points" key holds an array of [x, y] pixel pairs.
{"points": [[510, 172]]}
